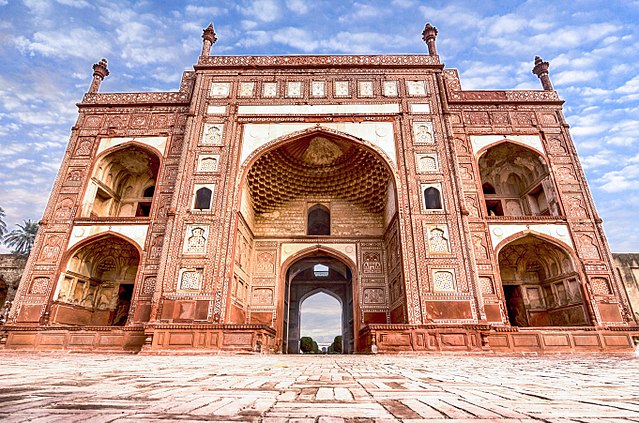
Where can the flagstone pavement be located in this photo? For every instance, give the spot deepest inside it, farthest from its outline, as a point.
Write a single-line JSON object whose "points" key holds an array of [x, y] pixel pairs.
{"points": [[62, 387]]}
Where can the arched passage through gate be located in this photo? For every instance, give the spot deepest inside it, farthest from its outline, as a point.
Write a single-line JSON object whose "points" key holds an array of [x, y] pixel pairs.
{"points": [[308, 276]]}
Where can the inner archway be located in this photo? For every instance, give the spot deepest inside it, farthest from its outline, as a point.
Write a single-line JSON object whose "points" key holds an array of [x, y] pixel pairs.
{"points": [[541, 284], [321, 321], [308, 277]]}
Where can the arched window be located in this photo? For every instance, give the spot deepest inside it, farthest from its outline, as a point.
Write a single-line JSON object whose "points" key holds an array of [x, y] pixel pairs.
{"points": [[319, 220], [432, 199], [203, 198]]}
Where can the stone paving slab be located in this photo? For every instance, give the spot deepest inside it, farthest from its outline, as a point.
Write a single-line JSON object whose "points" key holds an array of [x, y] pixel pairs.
{"points": [[63, 387]]}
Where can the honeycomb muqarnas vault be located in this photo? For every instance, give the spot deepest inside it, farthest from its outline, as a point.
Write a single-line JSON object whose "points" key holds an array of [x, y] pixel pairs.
{"points": [[441, 219]]}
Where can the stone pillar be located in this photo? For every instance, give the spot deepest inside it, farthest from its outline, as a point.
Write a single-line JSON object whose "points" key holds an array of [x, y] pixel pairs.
{"points": [[209, 38], [100, 72], [541, 70], [429, 35]]}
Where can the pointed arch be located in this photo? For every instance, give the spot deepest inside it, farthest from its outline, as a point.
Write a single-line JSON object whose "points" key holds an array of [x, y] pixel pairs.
{"points": [[97, 282], [542, 282], [318, 130], [120, 181]]}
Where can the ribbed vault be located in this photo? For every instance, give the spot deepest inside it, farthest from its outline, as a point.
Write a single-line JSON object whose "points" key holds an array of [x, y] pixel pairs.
{"points": [[319, 166]]}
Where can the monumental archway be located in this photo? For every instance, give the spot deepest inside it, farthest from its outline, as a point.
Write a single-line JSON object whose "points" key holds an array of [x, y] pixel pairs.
{"points": [[317, 189]]}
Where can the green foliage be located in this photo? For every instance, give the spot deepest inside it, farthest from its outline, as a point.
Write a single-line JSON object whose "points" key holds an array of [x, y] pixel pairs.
{"points": [[315, 348], [306, 344], [336, 346], [21, 240]]}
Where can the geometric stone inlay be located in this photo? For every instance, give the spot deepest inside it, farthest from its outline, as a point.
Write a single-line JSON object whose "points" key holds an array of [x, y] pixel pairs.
{"points": [[443, 280]]}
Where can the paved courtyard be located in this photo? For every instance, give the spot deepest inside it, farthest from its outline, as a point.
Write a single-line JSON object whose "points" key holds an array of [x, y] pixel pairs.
{"points": [[46, 387]]}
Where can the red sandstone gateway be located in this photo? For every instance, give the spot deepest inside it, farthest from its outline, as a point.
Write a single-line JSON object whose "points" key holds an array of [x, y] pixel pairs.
{"points": [[441, 219]]}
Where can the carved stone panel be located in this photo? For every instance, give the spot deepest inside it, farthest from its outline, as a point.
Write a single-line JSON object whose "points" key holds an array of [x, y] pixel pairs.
{"points": [[212, 134]]}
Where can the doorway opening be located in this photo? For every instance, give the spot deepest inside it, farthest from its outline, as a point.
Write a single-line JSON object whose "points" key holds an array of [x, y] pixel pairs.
{"points": [[321, 324], [312, 279]]}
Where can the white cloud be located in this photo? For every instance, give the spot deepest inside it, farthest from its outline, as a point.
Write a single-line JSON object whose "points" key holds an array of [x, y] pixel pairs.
{"points": [[572, 77], [296, 38], [262, 10], [74, 42], [206, 12], [301, 7]]}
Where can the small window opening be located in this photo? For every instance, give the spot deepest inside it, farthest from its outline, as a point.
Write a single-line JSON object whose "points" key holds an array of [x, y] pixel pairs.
{"points": [[143, 210], [203, 198], [319, 220], [494, 208], [432, 198], [149, 192], [320, 271]]}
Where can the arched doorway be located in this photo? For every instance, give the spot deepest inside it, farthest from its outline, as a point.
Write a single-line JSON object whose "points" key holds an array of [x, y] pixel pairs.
{"points": [[541, 284], [306, 277], [516, 182], [321, 322], [96, 287]]}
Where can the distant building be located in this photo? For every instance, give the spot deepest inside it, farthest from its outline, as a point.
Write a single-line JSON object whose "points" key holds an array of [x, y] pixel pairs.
{"points": [[442, 219], [627, 265]]}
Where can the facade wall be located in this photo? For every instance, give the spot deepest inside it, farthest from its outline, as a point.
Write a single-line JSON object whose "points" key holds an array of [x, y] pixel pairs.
{"points": [[205, 273]]}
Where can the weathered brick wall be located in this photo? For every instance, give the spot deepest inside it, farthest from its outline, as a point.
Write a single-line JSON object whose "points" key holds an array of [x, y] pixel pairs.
{"points": [[11, 268]]}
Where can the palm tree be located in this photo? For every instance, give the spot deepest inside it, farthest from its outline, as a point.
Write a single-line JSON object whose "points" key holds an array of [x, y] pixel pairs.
{"points": [[21, 239], [3, 225]]}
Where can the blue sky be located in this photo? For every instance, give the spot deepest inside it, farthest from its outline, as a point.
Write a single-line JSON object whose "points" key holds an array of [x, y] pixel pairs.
{"points": [[47, 48]]}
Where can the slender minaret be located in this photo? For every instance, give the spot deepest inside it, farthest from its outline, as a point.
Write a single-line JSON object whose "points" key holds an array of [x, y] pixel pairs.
{"points": [[209, 38], [541, 70], [429, 35], [100, 71]]}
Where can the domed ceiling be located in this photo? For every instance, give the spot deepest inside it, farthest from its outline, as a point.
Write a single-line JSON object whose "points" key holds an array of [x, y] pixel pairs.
{"points": [[319, 166]]}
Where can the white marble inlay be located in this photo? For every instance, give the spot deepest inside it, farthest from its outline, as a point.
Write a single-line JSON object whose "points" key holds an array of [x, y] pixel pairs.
{"points": [[136, 233], [499, 232], [377, 133], [319, 109], [156, 142], [481, 141]]}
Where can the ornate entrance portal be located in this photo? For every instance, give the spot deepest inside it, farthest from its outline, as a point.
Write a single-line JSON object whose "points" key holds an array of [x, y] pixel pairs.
{"points": [[311, 275], [317, 213]]}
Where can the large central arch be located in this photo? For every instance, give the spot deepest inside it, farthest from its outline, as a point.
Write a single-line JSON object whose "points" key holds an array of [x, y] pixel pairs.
{"points": [[317, 187]]}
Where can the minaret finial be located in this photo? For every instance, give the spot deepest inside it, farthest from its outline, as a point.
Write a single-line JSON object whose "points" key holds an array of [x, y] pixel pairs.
{"points": [[209, 38], [100, 71], [429, 35], [541, 70]]}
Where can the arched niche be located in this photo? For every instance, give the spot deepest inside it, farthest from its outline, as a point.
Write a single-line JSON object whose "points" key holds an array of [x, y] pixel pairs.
{"points": [[97, 285], [541, 285], [516, 182], [123, 183]]}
